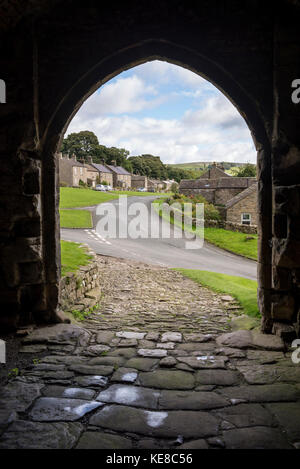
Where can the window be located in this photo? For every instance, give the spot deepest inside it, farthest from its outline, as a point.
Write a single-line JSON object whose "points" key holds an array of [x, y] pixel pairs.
{"points": [[246, 219]]}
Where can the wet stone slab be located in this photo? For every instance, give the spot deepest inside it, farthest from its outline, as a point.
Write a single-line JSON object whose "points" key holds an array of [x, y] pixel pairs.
{"points": [[255, 438], [93, 381], [101, 440], [70, 392], [131, 335], [34, 435], [217, 377], [288, 416], [54, 409], [141, 364], [162, 424], [246, 415], [171, 337], [191, 400], [130, 395], [262, 393], [167, 379], [102, 370], [19, 395], [127, 375], [204, 361], [154, 353]]}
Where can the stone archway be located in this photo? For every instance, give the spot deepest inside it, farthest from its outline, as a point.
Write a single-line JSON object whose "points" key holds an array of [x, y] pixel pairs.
{"points": [[65, 58]]}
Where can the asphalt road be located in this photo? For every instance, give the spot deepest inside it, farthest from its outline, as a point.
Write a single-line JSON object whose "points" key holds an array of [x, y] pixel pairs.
{"points": [[169, 252]]}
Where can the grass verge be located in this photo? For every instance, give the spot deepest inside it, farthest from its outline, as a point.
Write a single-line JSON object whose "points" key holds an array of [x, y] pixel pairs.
{"points": [[244, 290], [72, 257], [71, 197], [75, 218], [232, 241]]}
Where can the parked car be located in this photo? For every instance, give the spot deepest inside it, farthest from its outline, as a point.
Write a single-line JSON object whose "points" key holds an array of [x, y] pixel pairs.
{"points": [[151, 189], [142, 189], [109, 188], [100, 187]]}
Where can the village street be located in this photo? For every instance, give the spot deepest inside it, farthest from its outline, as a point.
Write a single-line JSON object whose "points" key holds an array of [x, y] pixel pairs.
{"points": [[154, 366], [161, 251]]}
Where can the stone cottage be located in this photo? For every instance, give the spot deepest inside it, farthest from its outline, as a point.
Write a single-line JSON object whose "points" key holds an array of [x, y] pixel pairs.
{"points": [[216, 186], [71, 171], [104, 174], [91, 175], [243, 207], [121, 177], [138, 181]]}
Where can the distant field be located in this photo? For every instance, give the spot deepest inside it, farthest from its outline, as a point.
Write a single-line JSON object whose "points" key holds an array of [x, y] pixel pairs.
{"points": [[202, 165]]}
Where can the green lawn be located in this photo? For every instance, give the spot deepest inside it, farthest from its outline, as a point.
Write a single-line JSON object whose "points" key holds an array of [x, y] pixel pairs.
{"points": [[71, 197], [72, 257], [232, 241], [244, 290], [75, 218]]}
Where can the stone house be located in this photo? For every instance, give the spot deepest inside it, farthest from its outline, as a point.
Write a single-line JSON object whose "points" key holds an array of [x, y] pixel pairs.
{"points": [[91, 175], [243, 207], [71, 171], [121, 177], [139, 181], [104, 174], [216, 186]]}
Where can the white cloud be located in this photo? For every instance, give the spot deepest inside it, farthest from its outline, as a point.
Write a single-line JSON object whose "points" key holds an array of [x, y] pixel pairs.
{"points": [[212, 130], [125, 95]]}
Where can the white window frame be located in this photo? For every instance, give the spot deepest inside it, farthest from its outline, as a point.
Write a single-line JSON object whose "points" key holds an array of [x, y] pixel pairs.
{"points": [[246, 221]]}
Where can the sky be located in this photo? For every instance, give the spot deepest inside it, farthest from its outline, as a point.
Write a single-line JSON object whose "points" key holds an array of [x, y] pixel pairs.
{"points": [[167, 111]]}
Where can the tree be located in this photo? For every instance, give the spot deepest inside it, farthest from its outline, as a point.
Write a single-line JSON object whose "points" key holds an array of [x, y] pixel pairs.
{"points": [[248, 170], [83, 144]]}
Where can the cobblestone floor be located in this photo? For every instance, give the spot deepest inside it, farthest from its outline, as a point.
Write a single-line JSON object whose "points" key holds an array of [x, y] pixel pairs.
{"points": [[155, 367]]}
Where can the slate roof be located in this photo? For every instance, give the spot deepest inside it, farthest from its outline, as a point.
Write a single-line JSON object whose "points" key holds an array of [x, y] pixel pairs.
{"points": [[118, 170], [241, 195], [71, 162], [221, 183], [101, 168], [90, 167]]}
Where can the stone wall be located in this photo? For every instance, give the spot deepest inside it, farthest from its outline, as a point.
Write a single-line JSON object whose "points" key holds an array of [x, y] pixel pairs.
{"points": [[78, 289]]}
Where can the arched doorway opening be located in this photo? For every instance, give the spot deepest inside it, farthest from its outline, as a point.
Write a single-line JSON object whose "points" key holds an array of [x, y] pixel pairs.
{"points": [[172, 53]]}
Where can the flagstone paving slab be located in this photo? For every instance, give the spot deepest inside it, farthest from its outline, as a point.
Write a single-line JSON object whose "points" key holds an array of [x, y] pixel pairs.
{"points": [[167, 379], [217, 377], [128, 375], [207, 388], [101, 440], [130, 395], [246, 415], [141, 364], [70, 392], [53, 408], [255, 438], [191, 400], [156, 423], [34, 435]]}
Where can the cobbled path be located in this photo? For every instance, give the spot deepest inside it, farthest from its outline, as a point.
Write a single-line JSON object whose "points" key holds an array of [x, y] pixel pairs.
{"points": [[154, 366]]}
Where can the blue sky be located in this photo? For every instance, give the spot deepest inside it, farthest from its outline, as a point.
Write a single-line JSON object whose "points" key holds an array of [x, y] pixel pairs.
{"points": [[167, 111]]}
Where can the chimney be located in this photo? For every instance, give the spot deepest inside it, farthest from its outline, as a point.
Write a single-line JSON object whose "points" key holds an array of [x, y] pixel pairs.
{"points": [[114, 163], [73, 157], [90, 160]]}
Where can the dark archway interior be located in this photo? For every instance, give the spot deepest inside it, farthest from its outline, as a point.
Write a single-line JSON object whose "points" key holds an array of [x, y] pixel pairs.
{"points": [[53, 60]]}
